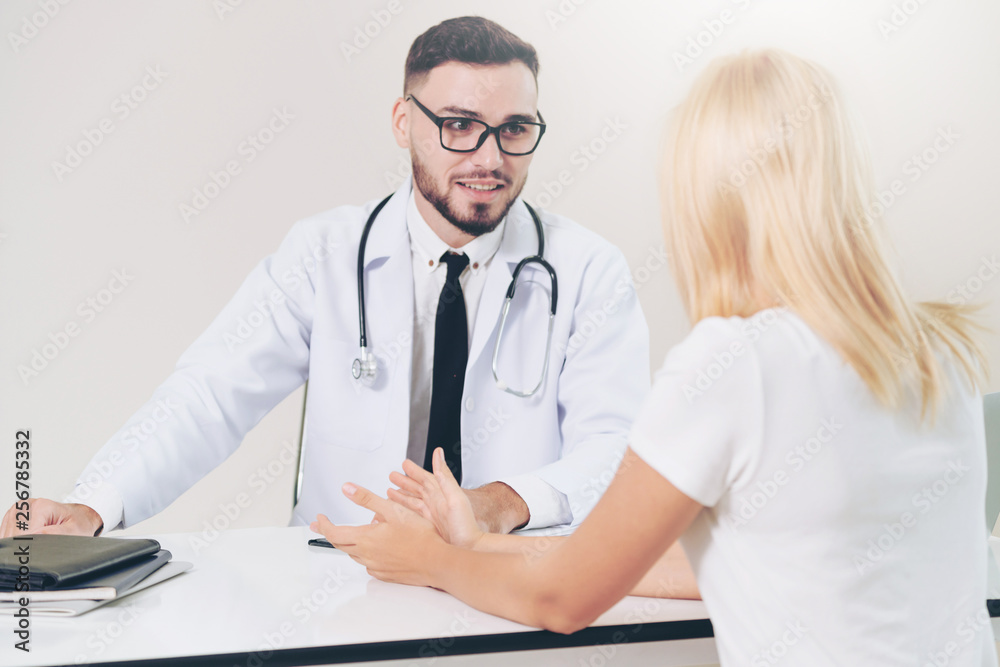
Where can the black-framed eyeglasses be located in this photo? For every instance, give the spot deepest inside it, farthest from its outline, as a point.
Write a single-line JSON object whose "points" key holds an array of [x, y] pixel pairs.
{"points": [[467, 135]]}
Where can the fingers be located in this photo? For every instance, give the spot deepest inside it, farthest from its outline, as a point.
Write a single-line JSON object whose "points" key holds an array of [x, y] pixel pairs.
{"points": [[9, 526], [430, 483], [443, 473], [407, 485], [52, 518], [345, 538], [41, 514], [415, 504], [44, 513], [4, 522], [359, 495], [4, 525], [412, 502], [415, 472], [342, 537]]}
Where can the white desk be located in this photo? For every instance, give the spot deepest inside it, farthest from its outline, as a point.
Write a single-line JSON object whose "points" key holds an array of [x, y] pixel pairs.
{"points": [[263, 597]]}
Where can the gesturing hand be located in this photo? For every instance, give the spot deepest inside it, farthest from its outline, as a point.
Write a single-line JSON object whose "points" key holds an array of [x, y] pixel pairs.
{"points": [[400, 547], [438, 498]]}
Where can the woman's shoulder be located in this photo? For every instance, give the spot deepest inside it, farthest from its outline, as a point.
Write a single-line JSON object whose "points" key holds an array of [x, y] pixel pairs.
{"points": [[771, 341], [766, 332]]}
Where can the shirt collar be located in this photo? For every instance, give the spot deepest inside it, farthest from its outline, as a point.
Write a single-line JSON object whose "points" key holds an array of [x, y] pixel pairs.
{"points": [[428, 246]]}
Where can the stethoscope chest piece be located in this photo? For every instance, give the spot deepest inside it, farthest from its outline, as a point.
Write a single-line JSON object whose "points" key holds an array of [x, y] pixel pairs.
{"points": [[364, 367]]}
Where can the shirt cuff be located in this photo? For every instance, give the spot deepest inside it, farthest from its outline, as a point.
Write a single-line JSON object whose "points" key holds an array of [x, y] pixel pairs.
{"points": [[546, 506], [105, 500]]}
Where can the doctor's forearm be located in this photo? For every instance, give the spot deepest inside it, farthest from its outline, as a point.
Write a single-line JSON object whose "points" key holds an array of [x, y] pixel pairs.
{"points": [[498, 508], [670, 577]]}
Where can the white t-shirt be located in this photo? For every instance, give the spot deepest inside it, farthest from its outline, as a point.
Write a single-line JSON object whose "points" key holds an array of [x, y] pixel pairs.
{"points": [[835, 531]]}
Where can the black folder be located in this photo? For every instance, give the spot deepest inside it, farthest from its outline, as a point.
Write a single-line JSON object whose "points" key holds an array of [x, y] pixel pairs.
{"points": [[107, 585], [58, 561]]}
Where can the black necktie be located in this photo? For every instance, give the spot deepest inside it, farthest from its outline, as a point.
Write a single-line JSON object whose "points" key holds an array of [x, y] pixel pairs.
{"points": [[451, 353]]}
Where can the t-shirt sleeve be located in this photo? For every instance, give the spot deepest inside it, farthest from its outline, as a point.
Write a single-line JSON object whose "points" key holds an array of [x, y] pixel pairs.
{"points": [[701, 425]]}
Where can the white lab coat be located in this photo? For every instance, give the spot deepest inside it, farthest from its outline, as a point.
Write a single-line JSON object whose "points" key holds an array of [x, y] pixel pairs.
{"points": [[296, 317]]}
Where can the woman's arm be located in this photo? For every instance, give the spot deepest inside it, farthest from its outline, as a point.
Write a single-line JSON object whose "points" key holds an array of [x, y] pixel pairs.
{"points": [[670, 576], [447, 506], [563, 589]]}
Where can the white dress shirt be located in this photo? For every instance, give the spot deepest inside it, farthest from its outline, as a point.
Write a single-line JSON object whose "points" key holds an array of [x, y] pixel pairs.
{"points": [[429, 274], [426, 249]]}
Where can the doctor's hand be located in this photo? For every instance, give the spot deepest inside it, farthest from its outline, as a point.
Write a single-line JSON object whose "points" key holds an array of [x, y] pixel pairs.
{"points": [[438, 498], [51, 518], [400, 547]]}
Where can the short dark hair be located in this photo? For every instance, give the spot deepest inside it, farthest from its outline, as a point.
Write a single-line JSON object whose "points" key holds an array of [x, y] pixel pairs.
{"points": [[467, 39]]}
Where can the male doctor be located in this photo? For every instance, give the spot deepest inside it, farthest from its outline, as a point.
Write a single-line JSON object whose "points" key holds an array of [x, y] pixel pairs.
{"points": [[438, 261]]}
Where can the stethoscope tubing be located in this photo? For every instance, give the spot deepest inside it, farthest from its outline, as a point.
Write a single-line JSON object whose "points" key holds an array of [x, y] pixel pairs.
{"points": [[364, 366]]}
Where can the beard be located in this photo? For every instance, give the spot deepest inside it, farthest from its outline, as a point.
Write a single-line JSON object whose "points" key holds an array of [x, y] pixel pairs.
{"points": [[480, 220]]}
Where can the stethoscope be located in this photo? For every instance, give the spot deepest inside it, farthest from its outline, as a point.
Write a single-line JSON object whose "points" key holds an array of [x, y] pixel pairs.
{"points": [[364, 367]]}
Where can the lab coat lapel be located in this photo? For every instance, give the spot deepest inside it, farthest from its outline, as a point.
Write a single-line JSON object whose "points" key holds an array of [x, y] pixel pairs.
{"points": [[389, 231], [519, 241], [389, 300]]}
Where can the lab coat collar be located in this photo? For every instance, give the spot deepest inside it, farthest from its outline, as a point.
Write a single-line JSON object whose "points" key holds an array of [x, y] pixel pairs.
{"points": [[389, 232], [390, 238], [520, 239]]}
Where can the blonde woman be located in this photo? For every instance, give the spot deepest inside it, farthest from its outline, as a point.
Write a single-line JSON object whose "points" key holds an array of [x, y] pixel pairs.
{"points": [[815, 442]]}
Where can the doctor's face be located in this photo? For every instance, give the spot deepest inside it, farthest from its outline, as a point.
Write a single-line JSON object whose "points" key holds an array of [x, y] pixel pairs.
{"points": [[473, 191]]}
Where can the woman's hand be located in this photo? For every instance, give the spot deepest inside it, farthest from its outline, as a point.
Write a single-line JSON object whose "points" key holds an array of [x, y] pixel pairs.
{"points": [[438, 498], [400, 547]]}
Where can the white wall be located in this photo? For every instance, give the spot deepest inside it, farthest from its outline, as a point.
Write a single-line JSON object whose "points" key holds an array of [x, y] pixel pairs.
{"points": [[62, 236]]}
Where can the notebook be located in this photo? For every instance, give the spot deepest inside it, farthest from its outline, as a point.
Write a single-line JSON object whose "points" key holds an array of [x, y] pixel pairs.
{"points": [[106, 585], [77, 607]]}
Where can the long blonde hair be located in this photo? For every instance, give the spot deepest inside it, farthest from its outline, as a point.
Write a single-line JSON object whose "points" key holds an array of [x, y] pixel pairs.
{"points": [[769, 196]]}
